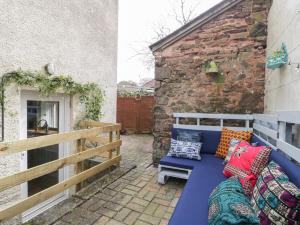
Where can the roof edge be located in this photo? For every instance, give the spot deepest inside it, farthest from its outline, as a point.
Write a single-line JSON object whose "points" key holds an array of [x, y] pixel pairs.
{"points": [[194, 24]]}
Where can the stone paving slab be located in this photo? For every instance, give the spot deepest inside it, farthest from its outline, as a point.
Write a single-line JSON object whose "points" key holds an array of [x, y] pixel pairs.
{"points": [[131, 198]]}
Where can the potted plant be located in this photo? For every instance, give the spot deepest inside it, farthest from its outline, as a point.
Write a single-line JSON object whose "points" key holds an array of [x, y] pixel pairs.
{"points": [[278, 58]]}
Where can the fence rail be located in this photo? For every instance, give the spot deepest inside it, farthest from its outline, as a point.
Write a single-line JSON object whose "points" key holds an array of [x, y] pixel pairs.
{"points": [[91, 131], [275, 129], [221, 117]]}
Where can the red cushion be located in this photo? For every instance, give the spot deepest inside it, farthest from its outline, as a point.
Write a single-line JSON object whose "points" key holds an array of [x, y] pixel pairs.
{"points": [[247, 162]]}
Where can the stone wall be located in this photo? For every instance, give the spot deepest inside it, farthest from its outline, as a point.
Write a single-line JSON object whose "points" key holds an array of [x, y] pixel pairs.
{"points": [[236, 41]]}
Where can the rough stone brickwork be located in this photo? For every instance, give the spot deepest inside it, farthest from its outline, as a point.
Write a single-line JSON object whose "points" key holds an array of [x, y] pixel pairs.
{"points": [[236, 41]]}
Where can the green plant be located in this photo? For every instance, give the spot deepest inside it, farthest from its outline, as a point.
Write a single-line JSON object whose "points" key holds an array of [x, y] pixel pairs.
{"points": [[137, 93], [90, 94], [278, 58]]}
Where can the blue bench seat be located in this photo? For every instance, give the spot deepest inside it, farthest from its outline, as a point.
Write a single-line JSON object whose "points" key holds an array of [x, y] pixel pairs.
{"points": [[192, 207], [206, 174]]}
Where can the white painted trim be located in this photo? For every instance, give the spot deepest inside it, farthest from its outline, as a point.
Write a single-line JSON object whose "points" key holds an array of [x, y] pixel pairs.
{"points": [[290, 150], [209, 128], [289, 117], [265, 130], [64, 148], [270, 118], [281, 123], [268, 143], [169, 171], [214, 116]]}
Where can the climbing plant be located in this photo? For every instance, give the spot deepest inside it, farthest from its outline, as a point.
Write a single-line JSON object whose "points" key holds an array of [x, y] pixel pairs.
{"points": [[90, 94]]}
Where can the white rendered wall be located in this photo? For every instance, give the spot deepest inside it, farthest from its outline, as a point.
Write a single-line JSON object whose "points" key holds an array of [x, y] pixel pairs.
{"points": [[78, 37], [283, 85], [282, 91]]}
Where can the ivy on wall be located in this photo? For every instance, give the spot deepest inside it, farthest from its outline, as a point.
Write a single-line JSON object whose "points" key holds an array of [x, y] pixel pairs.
{"points": [[90, 94]]}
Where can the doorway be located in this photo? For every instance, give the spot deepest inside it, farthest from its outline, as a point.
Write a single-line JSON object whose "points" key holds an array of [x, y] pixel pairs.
{"points": [[44, 116]]}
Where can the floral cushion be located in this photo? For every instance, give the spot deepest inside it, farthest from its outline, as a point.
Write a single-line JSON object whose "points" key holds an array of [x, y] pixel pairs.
{"points": [[185, 149], [226, 137], [232, 145], [247, 162], [275, 199], [229, 205], [190, 136]]}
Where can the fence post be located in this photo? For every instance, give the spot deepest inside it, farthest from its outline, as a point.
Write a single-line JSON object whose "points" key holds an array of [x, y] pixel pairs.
{"points": [[118, 138], [80, 145], [110, 141]]}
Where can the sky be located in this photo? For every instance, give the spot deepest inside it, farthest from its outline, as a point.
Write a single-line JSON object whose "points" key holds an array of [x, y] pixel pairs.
{"points": [[138, 21]]}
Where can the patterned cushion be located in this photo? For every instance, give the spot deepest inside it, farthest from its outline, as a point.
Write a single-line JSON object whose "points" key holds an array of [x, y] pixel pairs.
{"points": [[232, 145], [226, 137], [185, 149], [190, 136], [275, 199], [229, 205], [247, 162]]}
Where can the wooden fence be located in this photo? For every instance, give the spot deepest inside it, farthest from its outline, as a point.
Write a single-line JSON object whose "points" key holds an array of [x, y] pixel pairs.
{"points": [[107, 137], [135, 114]]}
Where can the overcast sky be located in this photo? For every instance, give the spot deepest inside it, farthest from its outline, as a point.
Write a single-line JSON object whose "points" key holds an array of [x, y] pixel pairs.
{"points": [[137, 22]]}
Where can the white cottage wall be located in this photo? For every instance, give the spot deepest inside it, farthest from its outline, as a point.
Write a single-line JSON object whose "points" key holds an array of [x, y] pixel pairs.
{"points": [[283, 85], [78, 37], [282, 92]]}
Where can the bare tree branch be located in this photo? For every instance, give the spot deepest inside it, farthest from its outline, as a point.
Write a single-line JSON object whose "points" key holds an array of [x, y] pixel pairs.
{"points": [[182, 13]]}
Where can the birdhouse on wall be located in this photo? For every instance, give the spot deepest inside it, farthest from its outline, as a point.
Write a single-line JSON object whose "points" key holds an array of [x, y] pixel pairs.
{"points": [[211, 67]]}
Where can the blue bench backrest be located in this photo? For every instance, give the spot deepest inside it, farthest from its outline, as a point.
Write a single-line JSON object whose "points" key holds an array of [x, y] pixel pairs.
{"points": [[289, 167], [211, 140]]}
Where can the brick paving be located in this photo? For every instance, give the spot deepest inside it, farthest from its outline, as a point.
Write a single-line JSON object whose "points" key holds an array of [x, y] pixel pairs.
{"points": [[133, 199]]}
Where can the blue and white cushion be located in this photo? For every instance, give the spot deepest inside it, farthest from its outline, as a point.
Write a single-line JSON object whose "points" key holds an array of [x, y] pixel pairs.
{"points": [[185, 149], [189, 135]]}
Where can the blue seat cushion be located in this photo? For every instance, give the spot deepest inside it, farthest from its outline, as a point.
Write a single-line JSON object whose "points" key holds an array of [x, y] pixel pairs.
{"points": [[207, 160], [192, 207], [210, 139]]}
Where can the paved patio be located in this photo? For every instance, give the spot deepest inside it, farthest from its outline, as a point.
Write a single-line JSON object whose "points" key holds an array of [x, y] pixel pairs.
{"points": [[129, 195]]}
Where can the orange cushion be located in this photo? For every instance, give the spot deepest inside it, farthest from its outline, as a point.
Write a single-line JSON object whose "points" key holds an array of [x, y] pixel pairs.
{"points": [[226, 137]]}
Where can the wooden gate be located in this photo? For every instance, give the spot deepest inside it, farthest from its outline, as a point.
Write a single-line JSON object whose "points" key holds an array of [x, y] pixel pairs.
{"points": [[135, 114]]}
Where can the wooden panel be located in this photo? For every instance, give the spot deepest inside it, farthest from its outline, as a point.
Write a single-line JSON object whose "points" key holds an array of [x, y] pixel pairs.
{"points": [[145, 116], [127, 113], [136, 114], [99, 140], [265, 130], [39, 142], [290, 150], [23, 176], [40, 197], [92, 123]]}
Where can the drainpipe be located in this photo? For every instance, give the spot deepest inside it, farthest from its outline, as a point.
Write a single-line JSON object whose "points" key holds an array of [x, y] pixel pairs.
{"points": [[2, 108]]}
